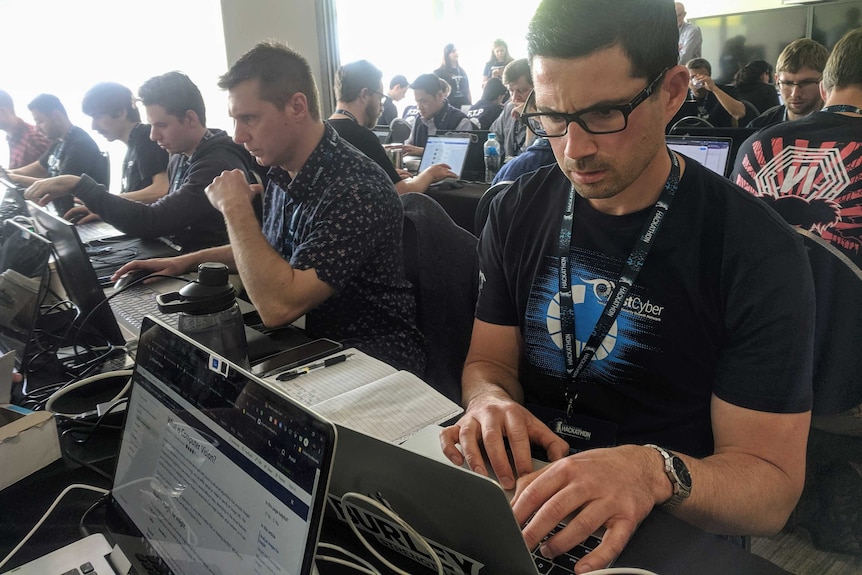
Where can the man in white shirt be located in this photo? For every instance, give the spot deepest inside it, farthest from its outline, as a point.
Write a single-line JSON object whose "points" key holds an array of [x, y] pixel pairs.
{"points": [[690, 38]]}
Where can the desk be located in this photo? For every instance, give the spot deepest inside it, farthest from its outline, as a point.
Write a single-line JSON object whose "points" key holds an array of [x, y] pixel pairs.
{"points": [[460, 202], [662, 544]]}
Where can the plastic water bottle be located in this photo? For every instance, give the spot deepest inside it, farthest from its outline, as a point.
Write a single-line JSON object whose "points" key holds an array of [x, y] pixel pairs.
{"points": [[209, 312], [492, 157]]}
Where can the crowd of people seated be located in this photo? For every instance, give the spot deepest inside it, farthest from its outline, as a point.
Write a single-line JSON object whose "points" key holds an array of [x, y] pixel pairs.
{"points": [[646, 324]]}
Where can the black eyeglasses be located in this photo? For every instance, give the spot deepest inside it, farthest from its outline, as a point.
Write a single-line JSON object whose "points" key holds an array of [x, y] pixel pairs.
{"points": [[596, 120], [801, 84]]}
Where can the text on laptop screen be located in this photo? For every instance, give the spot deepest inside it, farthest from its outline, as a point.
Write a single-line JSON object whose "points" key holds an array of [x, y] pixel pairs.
{"points": [[449, 150], [711, 153], [219, 473]]}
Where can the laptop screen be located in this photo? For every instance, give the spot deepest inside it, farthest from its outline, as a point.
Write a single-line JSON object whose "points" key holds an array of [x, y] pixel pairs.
{"points": [[713, 153], [23, 283], [217, 471], [77, 274], [449, 150]]}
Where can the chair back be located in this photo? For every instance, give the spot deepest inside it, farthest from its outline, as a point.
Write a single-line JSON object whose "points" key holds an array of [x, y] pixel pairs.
{"points": [[399, 130], [441, 262], [484, 205]]}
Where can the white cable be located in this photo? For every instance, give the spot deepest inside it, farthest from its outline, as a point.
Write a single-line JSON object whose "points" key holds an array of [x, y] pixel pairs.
{"points": [[343, 551], [47, 513], [86, 381], [621, 571], [393, 516]]}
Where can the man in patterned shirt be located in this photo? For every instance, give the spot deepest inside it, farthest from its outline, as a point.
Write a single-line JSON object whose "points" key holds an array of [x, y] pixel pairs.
{"points": [[26, 142], [330, 247]]}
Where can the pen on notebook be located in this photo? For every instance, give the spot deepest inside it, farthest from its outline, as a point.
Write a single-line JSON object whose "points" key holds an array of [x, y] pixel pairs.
{"points": [[314, 366]]}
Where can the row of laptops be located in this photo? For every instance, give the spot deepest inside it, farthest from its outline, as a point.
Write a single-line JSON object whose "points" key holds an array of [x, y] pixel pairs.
{"points": [[463, 152], [221, 472]]}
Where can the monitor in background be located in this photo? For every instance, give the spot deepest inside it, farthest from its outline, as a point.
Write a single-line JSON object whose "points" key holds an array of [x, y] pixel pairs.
{"points": [[24, 257], [78, 278], [713, 153], [737, 135], [382, 133], [449, 150]]}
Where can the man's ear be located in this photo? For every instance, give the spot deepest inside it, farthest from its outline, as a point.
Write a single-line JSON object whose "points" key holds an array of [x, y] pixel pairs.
{"points": [[190, 117], [675, 83], [823, 94], [297, 105]]}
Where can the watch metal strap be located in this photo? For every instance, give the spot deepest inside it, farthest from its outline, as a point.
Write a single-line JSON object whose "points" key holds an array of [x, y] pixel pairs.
{"points": [[679, 494]]}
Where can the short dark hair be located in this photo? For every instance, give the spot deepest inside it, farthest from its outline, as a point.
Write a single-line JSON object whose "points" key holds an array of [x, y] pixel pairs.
{"points": [[6, 101], [398, 80], [110, 98], [646, 30], [352, 78], [517, 69], [699, 64], [494, 88], [46, 103], [802, 53], [281, 72], [428, 83], [174, 92], [844, 66]]}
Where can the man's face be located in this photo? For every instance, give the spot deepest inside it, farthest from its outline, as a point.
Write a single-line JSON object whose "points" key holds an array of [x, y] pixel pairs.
{"points": [[519, 90], [7, 119], [428, 104], [373, 107], [600, 166], [266, 131], [48, 125], [800, 91], [175, 135], [696, 83], [109, 126], [398, 92], [680, 15]]}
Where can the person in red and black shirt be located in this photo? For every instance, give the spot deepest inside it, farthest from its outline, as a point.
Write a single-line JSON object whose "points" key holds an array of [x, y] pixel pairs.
{"points": [[26, 142]]}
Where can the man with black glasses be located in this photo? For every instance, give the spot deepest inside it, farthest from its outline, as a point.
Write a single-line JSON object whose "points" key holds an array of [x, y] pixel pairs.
{"points": [[642, 322], [797, 74]]}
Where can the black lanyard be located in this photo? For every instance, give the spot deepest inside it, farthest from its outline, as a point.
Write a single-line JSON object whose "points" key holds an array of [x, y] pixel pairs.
{"points": [[346, 113], [182, 171], [632, 267]]}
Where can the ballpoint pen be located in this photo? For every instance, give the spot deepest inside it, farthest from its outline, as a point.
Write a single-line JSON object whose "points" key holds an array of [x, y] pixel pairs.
{"points": [[293, 374]]}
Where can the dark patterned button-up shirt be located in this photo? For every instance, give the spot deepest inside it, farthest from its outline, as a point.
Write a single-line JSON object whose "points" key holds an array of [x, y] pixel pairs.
{"points": [[342, 217]]}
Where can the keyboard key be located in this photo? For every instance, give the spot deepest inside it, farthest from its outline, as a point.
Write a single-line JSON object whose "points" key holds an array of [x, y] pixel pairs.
{"points": [[543, 565], [87, 568]]}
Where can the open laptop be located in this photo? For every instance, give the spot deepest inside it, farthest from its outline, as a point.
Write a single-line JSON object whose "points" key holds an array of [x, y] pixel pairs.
{"points": [[465, 516], [450, 150], [218, 472], [737, 135], [24, 257], [474, 164], [711, 152]]}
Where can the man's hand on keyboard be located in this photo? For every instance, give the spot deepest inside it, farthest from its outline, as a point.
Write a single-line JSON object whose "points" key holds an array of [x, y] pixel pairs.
{"points": [[615, 488], [81, 215], [50, 189], [163, 266]]}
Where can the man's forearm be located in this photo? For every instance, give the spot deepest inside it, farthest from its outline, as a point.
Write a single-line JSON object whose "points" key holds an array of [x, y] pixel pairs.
{"points": [[733, 106], [482, 377]]}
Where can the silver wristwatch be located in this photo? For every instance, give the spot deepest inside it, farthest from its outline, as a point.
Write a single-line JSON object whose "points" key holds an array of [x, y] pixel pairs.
{"points": [[677, 473]]}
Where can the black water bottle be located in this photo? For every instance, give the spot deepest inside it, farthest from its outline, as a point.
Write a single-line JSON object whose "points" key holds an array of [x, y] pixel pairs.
{"points": [[209, 313]]}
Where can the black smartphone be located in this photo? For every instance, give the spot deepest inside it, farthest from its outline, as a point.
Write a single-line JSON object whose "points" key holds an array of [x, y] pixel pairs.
{"points": [[295, 356]]}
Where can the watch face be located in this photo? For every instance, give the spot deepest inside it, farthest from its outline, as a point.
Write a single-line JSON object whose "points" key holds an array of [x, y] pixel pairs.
{"points": [[681, 472]]}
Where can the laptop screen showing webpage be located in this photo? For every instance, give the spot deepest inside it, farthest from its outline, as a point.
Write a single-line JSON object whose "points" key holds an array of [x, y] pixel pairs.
{"points": [[217, 471], [449, 150], [713, 153]]}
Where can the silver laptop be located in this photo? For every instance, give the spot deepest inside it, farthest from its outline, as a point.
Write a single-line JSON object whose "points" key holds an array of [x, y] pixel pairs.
{"points": [[218, 472], [449, 150], [465, 516], [711, 152]]}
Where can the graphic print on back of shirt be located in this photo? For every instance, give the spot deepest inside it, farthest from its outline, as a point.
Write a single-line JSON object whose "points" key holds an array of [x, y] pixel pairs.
{"points": [[635, 331], [814, 185]]}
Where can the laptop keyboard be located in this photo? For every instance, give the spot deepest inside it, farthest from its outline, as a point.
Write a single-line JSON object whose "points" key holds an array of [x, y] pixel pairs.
{"points": [[137, 301], [84, 569], [565, 563], [97, 231]]}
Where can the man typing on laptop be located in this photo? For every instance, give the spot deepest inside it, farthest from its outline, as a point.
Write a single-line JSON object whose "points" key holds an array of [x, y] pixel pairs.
{"points": [[640, 319], [175, 109], [330, 248]]}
